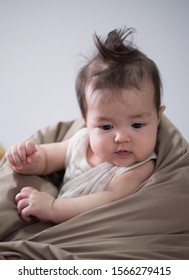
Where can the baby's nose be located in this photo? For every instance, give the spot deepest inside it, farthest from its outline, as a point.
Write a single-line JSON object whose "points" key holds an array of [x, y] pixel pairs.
{"points": [[122, 136]]}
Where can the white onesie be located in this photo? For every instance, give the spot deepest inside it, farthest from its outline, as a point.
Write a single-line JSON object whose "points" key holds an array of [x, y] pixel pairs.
{"points": [[82, 179]]}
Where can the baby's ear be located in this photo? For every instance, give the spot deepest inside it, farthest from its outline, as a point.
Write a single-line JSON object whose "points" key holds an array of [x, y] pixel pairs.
{"points": [[160, 112]]}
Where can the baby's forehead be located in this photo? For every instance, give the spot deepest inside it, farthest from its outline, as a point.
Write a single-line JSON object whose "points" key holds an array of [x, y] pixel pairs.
{"points": [[119, 109], [124, 95]]}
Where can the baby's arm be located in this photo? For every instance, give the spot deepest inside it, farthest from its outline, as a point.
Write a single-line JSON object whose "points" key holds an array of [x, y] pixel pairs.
{"points": [[122, 186], [129, 181], [28, 158], [30, 202]]}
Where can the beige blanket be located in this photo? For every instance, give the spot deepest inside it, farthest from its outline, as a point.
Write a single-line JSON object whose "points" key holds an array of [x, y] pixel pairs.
{"points": [[152, 223]]}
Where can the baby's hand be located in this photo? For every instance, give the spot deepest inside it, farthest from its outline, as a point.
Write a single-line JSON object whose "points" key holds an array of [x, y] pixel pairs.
{"points": [[22, 156], [31, 202]]}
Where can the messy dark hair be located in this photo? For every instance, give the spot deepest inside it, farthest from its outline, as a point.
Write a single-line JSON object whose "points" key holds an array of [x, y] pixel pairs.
{"points": [[118, 64]]}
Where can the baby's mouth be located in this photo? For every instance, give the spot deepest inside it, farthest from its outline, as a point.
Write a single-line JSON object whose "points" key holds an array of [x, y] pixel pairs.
{"points": [[123, 153]]}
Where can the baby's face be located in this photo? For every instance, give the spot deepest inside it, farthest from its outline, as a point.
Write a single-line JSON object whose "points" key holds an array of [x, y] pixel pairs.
{"points": [[123, 126]]}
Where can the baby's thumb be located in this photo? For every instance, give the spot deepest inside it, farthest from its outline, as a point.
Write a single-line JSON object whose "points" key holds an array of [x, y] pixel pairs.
{"points": [[30, 148], [32, 154], [34, 158]]}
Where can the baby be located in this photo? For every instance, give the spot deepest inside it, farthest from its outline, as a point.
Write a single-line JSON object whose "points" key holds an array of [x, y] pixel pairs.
{"points": [[119, 94]]}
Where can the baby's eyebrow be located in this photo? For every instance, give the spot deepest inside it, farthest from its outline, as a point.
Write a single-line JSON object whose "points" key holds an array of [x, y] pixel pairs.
{"points": [[142, 115], [104, 119]]}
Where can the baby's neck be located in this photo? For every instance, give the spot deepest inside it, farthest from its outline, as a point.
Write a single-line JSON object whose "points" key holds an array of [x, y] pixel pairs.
{"points": [[92, 159]]}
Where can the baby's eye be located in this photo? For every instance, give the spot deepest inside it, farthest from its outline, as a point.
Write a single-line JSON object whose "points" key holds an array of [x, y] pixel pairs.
{"points": [[106, 127], [137, 125]]}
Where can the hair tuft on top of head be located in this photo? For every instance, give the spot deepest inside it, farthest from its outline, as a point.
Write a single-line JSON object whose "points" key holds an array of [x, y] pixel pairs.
{"points": [[116, 46]]}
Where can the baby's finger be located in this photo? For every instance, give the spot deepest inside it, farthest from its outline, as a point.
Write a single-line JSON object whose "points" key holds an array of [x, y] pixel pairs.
{"points": [[20, 195], [25, 214], [9, 157], [22, 204], [30, 148], [24, 193], [15, 157], [34, 158], [21, 150], [27, 190]]}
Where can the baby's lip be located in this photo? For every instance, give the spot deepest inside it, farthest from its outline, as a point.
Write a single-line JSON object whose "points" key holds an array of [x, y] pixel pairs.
{"points": [[123, 152]]}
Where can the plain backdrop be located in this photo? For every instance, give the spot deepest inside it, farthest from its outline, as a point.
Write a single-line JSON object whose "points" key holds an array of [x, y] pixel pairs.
{"points": [[41, 48]]}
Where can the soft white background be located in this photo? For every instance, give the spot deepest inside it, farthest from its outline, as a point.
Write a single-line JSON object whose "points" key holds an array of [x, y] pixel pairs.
{"points": [[41, 42]]}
